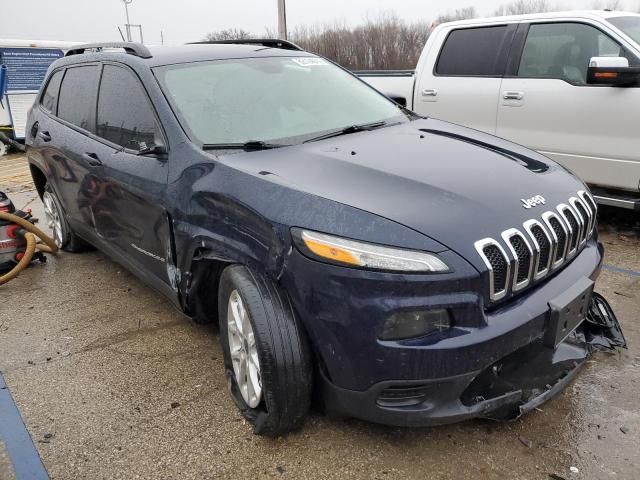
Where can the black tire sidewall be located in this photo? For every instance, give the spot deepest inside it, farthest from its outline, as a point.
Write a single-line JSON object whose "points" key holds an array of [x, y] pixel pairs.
{"points": [[285, 368]]}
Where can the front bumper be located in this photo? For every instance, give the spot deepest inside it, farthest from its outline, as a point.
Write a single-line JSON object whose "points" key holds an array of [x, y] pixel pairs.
{"points": [[506, 390], [511, 387], [491, 363]]}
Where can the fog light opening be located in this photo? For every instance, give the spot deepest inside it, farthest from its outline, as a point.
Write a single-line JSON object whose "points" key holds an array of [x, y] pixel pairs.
{"points": [[406, 325]]}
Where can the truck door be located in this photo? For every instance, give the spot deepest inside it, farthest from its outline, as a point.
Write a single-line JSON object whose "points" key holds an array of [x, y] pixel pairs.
{"points": [[460, 83], [546, 104], [127, 198]]}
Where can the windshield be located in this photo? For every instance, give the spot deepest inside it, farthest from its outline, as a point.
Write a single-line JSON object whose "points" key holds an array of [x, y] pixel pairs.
{"points": [[630, 25], [282, 100]]}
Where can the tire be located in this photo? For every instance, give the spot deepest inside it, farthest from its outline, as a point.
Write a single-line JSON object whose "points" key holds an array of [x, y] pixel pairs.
{"points": [[63, 235], [283, 354]]}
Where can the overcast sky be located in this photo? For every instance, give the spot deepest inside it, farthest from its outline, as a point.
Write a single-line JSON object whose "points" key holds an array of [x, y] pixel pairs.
{"points": [[189, 20]]}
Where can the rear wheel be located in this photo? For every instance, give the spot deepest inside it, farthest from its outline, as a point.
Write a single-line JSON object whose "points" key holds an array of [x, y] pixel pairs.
{"points": [[63, 235], [266, 355]]}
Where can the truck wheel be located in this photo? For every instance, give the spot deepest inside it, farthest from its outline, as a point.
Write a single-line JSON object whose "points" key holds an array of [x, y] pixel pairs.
{"points": [[266, 355], [64, 237]]}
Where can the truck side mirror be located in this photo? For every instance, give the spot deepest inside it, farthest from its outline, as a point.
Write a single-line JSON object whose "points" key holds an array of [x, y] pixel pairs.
{"points": [[612, 71]]}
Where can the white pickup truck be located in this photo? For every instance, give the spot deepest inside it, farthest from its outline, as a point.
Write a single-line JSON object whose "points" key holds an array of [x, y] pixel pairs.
{"points": [[565, 84]]}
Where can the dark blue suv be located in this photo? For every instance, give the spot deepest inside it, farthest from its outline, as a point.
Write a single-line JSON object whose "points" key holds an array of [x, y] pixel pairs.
{"points": [[397, 269]]}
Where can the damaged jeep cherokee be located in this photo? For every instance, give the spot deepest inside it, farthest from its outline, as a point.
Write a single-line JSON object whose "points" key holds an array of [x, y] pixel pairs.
{"points": [[402, 270]]}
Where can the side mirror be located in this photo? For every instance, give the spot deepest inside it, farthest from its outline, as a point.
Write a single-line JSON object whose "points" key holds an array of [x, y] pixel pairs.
{"points": [[143, 148], [612, 71], [154, 150]]}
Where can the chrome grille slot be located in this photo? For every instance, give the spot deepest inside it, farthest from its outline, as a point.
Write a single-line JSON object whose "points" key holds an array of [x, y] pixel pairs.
{"points": [[545, 244], [592, 209], [498, 264], [560, 237], [523, 256], [543, 247], [573, 227], [581, 210]]}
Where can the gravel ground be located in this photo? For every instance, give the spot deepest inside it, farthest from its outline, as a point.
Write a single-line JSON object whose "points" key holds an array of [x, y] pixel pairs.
{"points": [[112, 382]]}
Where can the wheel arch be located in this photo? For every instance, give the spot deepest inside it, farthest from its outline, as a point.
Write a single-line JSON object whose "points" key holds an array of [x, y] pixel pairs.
{"points": [[39, 178]]}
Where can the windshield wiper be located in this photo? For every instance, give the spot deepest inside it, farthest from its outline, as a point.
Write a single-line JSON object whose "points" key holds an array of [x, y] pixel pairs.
{"points": [[348, 130], [250, 145]]}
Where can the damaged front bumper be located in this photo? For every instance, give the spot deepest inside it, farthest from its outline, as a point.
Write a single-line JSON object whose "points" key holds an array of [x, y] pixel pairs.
{"points": [[509, 388]]}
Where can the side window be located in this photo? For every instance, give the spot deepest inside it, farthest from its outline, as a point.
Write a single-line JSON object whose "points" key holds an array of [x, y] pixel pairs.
{"points": [[475, 52], [78, 96], [124, 114], [49, 99], [563, 51]]}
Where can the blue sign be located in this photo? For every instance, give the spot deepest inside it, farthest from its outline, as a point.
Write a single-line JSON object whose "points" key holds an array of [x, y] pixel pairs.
{"points": [[26, 67], [3, 81]]}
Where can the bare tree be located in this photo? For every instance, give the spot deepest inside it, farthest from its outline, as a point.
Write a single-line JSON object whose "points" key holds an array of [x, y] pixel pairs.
{"points": [[229, 34], [609, 5], [458, 14], [519, 7], [384, 42]]}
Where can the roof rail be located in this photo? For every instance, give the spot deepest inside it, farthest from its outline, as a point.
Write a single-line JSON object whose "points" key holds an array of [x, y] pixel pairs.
{"points": [[265, 42], [132, 48]]}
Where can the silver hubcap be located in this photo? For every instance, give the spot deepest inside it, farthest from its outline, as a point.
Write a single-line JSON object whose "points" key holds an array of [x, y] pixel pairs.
{"points": [[54, 222], [244, 353]]}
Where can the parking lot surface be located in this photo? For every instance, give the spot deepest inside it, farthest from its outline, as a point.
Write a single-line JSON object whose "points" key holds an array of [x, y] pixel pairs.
{"points": [[112, 382]]}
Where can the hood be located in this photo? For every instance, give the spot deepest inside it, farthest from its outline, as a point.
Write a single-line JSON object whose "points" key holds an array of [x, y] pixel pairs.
{"points": [[450, 183]]}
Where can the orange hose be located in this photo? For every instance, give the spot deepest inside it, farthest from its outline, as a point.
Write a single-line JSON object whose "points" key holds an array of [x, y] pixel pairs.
{"points": [[30, 227], [49, 247], [24, 261]]}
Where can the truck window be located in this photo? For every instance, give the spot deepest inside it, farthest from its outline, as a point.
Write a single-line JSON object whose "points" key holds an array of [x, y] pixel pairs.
{"points": [[77, 96], [474, 52], [563, 51], [124, 114], [50, 96]]}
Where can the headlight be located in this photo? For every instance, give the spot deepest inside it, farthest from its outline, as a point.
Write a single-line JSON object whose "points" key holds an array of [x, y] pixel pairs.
{"points": [[366, 255]]}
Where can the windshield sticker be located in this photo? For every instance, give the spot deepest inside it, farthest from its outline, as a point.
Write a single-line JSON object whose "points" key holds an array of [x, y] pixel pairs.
{"points": [[310, 61]]}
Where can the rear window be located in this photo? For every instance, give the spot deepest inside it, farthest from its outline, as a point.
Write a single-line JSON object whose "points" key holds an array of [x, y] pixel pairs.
{"points": [[630, 25], [474, 52], [77, 103], [50, 96]]}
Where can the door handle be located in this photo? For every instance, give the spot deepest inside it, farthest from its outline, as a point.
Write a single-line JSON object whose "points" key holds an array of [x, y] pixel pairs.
{"points": [[429, 92], [92, 159], [45, 136], [513, 95]]}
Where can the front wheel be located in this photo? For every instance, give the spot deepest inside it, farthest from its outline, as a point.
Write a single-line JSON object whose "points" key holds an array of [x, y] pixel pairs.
{"points": [[266, 354]]}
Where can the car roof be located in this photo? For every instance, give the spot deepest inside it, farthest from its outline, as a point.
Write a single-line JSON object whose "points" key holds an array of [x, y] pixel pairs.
{"points": [[573, 14], [168, 55]]}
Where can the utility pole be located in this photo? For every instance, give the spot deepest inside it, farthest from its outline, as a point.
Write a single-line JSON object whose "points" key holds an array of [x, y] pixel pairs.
{"points": [[282, 20], [127, 27]]}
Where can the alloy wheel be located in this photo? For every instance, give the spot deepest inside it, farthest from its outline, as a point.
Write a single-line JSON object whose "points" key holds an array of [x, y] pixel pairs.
{"points": [[244, 352], [54, 219]]}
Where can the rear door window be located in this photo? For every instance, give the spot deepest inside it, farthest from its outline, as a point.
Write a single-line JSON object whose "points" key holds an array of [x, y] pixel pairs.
{"points": [[50, 95], [125, 116], [563, 51], [474, 52], [77, 103]]}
